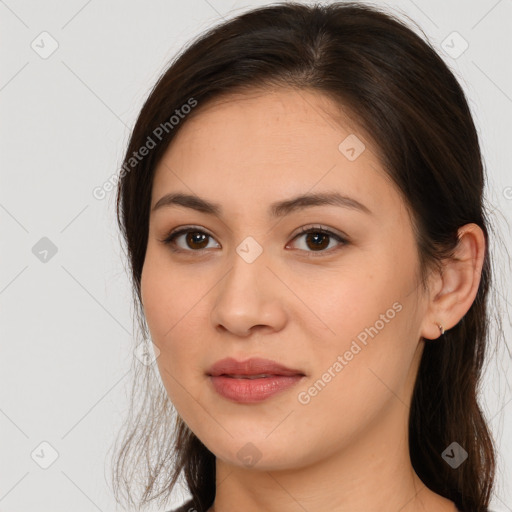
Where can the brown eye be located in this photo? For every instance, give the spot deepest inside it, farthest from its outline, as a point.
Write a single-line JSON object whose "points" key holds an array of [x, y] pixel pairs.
{"points": [[318, 240], [195, 240], [196, 237]]}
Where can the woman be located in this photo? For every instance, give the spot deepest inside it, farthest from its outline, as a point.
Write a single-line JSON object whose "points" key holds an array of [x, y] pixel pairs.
{"points": [[301, 200]]}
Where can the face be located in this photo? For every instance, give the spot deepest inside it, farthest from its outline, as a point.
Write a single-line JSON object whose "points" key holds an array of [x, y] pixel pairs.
{"points": [[339, 302]]}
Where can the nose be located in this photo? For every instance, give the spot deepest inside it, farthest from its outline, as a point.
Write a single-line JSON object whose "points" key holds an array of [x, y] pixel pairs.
{"points": [[249, 298]]}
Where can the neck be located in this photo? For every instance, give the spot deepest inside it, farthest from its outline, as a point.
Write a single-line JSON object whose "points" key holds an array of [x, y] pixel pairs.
{"points": [[370, 473]]}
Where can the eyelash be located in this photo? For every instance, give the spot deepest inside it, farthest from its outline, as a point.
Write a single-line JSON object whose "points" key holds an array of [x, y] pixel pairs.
{"points": [[169, 240]]}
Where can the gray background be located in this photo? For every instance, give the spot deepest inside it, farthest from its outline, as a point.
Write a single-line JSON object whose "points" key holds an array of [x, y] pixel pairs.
{"points": [[66, 323]]}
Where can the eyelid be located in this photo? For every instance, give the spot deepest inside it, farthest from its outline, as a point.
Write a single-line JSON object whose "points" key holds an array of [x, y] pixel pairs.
{"points": [[342, 239], [322, 229], [181, 230]]}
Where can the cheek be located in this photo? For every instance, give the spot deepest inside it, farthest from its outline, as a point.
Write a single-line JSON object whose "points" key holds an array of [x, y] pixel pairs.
{"points": [[175, 312], [165, 295], [368, 334], [168, 318], [361, 374], [343, 303]]}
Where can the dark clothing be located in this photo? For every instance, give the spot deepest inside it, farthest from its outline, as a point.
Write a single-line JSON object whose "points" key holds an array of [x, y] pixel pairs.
{"points": [[189, 507], [185, 507]]}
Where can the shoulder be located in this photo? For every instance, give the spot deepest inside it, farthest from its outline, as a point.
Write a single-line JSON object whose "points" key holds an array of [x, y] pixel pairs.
{"points": [[188, 506]]}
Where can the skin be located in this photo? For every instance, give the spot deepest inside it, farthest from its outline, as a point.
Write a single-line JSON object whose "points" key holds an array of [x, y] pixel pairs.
{"points": [[347, 449]]}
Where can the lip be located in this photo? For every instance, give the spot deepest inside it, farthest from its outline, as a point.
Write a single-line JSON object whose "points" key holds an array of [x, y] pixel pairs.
{"points": [[252, 366], [249, 391], [226, 378]]}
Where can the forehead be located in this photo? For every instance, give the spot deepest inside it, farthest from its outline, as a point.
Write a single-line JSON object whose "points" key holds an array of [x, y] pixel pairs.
{"points": [[267, 145], [281, 121]]}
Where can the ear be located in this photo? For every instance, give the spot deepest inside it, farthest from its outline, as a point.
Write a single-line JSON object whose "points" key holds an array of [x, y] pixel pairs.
{"points": [[455, 289]]}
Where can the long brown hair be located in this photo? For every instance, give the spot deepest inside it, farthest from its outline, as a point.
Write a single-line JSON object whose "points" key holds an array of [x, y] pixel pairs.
{"points": [[407, 100]]}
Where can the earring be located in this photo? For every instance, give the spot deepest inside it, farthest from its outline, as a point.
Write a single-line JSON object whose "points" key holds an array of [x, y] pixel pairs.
{"points": [[441, 328]]}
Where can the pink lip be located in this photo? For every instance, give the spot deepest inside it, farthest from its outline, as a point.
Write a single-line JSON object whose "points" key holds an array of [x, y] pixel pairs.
{"points": [[253, 366], [252, 390], [245, 390]]}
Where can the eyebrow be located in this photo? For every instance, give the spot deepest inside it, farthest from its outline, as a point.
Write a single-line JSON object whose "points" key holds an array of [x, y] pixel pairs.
{"points": [[277, 209]]}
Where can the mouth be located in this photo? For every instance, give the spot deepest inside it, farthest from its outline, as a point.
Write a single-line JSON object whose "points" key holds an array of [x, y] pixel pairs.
{"points": [[253, 380], [260, 376], [253, 368]]}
